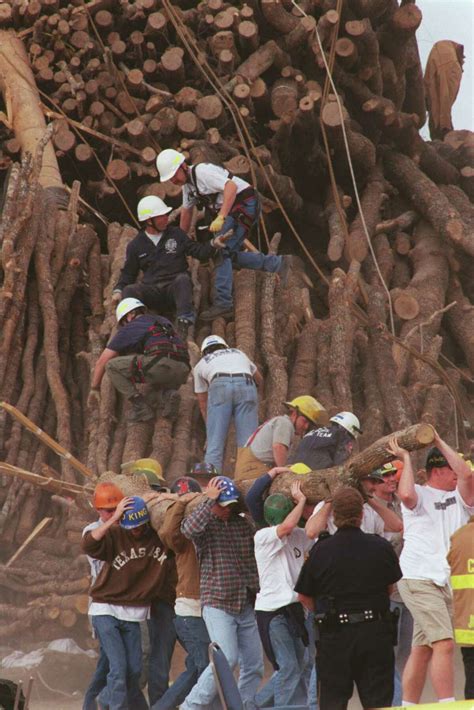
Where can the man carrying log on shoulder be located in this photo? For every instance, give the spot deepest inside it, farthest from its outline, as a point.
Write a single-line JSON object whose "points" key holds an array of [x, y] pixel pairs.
{"points": [[146, 349], [431, 514], [268, 446], [160, 251], [232, 204], [122, 594]]}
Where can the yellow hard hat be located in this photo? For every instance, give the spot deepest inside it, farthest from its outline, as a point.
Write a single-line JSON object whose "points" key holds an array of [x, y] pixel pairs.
{"points": [[142, 466], [300, 468], [310, 408]]}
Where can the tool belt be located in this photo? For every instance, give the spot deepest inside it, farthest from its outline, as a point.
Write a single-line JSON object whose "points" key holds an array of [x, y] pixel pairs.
{"points": [[337, 620], [248, 378]]}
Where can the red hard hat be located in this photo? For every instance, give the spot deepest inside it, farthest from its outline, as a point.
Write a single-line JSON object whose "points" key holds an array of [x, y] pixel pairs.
{"points": [[106, 495]]}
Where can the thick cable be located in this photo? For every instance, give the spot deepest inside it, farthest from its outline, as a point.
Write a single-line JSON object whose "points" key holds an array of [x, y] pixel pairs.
{"points": [[351, 170]]}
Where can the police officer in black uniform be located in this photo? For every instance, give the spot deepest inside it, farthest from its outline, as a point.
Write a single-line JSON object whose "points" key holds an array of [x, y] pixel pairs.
{"points": [[346, 581]]}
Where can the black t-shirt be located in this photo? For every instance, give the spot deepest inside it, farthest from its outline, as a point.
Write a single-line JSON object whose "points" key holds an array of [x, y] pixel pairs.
{"points": [[324, 447], [354, 568]]}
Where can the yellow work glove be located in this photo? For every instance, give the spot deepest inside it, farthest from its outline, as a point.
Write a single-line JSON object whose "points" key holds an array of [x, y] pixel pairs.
{"points": [[217, 224]]}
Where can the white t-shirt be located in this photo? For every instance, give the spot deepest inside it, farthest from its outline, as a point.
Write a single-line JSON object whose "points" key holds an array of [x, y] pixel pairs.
{"points": [[185, 606], [372, 523], [427, 531], [228, 361], [210, 179], [155, 238], [279, 562]]}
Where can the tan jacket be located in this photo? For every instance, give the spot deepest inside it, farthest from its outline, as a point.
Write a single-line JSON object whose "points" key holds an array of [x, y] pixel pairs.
{"points": [[461, 561], [186, 561], [442, 81]]}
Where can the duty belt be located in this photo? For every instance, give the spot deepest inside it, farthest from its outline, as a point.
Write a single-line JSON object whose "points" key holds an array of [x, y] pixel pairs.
{"points": [[359, 617], [248, 378]]}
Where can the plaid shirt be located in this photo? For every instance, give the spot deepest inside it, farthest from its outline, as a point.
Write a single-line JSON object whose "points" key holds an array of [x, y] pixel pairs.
{"points": [[225, 551]]}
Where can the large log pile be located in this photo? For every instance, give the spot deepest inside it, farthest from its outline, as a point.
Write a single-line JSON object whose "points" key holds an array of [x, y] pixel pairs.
{"points": [[378, 317]]}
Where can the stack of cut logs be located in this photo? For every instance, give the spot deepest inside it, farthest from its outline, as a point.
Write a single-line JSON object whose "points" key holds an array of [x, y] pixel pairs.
{"points": [[377, 317]]}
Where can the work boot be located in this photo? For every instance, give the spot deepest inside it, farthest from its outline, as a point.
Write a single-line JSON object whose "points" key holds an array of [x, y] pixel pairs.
{"points": [[171, 399], [182, 327], [286, 265], [141, 410], [217, 312]]}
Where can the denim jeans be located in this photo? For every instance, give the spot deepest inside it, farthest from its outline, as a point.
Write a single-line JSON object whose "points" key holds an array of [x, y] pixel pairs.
{"points": [[121, 643], [245, 260], [177, 295], [193, 637], [229, 396], [289, 653], [98, 682], [402, 649], [162, 642], [237, 635], [310, 673]]}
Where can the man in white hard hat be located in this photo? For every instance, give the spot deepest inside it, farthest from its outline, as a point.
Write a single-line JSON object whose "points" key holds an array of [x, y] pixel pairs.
{"points": [[225, 383], [146, 349], [159, 250], [232, 204], [330, 445]]}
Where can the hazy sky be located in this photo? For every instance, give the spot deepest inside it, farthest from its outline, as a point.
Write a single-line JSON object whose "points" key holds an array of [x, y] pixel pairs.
{"points": [[451, 19]]}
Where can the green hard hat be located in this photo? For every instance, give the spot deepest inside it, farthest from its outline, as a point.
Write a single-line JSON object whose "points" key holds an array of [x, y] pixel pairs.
{"points": [[276, 508]]}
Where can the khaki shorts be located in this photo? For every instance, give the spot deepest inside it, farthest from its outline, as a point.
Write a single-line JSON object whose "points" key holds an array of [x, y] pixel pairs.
{"points": [[432, 609]]}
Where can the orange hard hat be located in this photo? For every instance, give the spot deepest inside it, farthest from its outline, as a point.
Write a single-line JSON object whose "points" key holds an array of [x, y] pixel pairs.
{"points": [[106, 495]]}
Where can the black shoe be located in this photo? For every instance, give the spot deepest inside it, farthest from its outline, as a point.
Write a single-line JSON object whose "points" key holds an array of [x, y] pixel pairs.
{"points": [[182, 327], [217, 312], [141, 410], [286, 265], [171, 400]]}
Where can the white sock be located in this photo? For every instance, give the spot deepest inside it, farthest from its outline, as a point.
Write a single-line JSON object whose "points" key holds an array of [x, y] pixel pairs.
{"points": [[446, 700], [407, 703]]}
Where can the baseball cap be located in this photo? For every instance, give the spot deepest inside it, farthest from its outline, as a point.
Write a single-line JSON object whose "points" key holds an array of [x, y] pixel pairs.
{"points": [[436, 459]]}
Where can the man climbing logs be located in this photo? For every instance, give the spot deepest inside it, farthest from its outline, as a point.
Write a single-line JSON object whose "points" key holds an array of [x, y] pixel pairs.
{"points": [[231, 204], [159, 251], [146, 349]]}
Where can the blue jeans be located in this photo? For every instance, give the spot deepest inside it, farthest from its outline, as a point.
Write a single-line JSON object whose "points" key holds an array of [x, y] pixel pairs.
{"points": [[98, 682], [237, 635], [402, 649], [229, 397], [311, 676], [289, 654], [121, 643], [193, 637], [245, 260], [162, 642]]}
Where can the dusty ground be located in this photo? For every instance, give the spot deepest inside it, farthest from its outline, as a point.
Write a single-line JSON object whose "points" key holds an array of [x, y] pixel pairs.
{"points": [[67, 679]]}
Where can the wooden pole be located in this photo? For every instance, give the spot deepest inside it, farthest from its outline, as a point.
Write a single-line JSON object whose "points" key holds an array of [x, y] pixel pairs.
{"points": [[42, 525], [46, 439]]}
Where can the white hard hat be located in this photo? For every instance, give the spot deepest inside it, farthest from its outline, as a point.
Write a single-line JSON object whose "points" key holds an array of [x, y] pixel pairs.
{"points": [[151, 206], [349, 422], [126, 306], [212, 340], [168, 163]]}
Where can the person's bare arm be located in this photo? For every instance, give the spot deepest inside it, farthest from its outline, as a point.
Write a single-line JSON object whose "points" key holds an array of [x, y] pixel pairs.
{"points": [[392, 522], [99, 368], [280, 454], [258, 377], [293, 518], [101, 531], [202, 402], [319, 521], [306, 601], [406, 485], [228, 198], [460, 468], [185, 218]]}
